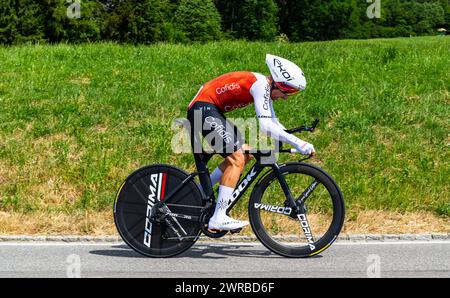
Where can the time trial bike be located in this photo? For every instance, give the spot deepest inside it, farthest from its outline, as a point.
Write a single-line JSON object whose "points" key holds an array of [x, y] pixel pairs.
{"points": [[296, 209]]}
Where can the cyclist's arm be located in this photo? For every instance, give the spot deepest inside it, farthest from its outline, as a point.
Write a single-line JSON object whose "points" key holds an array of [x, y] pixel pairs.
{"points": [[275, 118], [266, 115]]}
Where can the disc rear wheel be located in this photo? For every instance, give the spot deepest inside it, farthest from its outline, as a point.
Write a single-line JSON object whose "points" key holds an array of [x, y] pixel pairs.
{"points": [[145, 209]]}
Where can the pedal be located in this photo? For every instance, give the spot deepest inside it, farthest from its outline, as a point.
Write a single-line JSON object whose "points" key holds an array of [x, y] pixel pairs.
{"points": [[235, 231]]}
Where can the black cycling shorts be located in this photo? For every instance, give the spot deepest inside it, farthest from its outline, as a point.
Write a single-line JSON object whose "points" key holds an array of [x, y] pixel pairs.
{"points": [[209, 124]]}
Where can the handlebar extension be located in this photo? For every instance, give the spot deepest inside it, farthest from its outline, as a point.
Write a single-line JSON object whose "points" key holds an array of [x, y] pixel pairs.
{"points": [[304, 127]]}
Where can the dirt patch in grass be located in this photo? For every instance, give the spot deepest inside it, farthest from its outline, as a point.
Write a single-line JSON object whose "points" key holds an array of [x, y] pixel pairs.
{"points": [[37, 182], [84, 80], [102, 223], [386, 222], [55, 191], [57, 223], [7, 173]]}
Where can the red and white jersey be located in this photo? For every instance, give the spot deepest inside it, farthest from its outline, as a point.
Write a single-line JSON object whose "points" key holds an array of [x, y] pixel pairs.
{"points": [[229, 91], [239, 89]]}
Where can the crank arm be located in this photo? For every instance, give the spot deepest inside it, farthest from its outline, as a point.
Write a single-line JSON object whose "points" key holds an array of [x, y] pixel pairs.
{"points": [[167, 211], [170, 225]]}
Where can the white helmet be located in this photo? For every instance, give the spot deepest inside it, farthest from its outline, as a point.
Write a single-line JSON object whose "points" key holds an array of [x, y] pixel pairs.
{"points": [[287, 76]]}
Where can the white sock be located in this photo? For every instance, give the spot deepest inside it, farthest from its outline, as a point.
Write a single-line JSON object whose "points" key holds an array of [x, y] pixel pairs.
{"points": [[216, 175], [220, 220], [225, 194]]}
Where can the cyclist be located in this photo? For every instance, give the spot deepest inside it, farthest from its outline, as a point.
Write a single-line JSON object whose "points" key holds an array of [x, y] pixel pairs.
{"points": [[236, 90]]}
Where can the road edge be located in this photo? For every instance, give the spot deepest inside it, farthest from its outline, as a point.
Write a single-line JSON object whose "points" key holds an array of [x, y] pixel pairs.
{"points": [[232, 238]]}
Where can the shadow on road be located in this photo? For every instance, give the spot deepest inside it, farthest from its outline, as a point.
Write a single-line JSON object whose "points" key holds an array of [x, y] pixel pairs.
{"points": [[224, 251], [122, 251], [197, 251]]}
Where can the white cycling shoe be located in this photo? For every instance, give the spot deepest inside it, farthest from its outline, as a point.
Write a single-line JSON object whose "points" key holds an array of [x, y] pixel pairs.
{"points": [[226, 223]]}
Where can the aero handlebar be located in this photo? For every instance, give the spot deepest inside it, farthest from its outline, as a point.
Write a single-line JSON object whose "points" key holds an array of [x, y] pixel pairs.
{"points": [[304, 127], [280, 144]]}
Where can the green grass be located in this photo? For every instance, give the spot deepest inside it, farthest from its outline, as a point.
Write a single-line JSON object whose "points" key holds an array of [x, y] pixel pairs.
{"points": [[77, 119]]}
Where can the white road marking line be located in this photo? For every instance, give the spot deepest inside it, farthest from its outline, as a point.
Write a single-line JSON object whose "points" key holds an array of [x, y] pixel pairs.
{"points": [[219, 244], [59, 244]]}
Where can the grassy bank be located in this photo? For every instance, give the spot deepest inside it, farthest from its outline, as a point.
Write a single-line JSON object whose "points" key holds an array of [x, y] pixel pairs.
{"points": [[76, 120]]}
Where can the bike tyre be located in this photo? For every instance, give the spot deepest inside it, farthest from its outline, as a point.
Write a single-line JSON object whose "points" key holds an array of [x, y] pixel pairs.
{"points": [[330, 235], [131, 209]]}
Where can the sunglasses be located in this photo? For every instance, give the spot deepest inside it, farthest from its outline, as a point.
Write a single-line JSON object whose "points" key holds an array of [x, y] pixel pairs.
{"points": [[286, 89]]}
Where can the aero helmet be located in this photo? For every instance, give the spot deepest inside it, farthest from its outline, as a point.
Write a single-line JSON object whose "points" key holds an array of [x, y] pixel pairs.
{"points": [[287, 76]]}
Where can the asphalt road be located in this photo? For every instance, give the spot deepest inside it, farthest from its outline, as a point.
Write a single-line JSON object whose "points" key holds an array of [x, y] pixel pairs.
{"points": [[215, 259]]}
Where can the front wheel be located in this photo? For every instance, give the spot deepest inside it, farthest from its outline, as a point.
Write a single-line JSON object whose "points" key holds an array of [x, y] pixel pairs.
{"points": [[300, 230]]}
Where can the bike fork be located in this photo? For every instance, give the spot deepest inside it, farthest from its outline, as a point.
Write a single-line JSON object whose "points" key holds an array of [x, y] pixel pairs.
{"points": [[299, 211], [285, 187]]}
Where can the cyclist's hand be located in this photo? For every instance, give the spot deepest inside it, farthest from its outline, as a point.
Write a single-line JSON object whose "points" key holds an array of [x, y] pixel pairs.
{"points": [[247, 156], [306, 148]]}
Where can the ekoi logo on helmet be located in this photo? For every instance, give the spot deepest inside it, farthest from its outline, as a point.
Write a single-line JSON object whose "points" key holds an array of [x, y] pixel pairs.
{"points": [[283, 71], [286, 72]]}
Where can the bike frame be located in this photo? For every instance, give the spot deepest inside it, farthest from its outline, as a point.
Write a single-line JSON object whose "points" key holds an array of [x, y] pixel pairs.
{"points": [[238, 192], [201, 162], [247, 180], [242, 186]]}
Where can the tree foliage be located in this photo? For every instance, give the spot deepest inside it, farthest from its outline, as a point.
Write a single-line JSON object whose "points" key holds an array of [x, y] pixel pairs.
{"points": [[250, 19], [199, 20], [21, 21], [149, 21], [140, 21]]}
